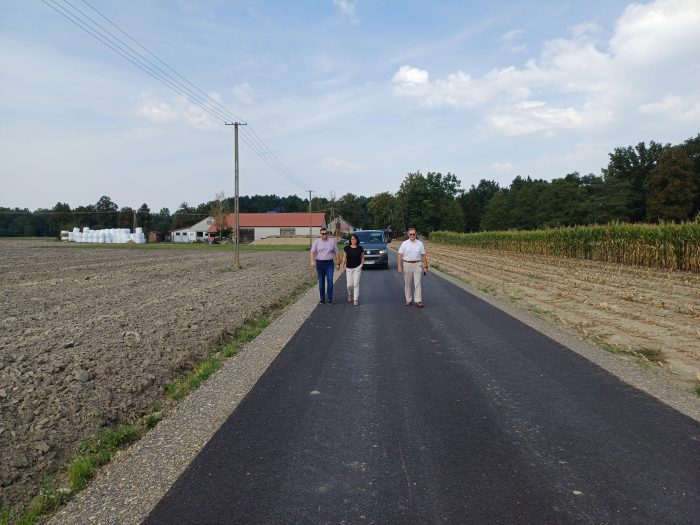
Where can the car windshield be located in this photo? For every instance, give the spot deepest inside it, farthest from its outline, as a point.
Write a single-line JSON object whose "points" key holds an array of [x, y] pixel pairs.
{"points": [[370, 236]]}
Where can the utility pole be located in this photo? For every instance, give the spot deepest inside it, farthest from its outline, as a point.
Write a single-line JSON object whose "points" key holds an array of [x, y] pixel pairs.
{"points": [[134, 221], [235, 147], [310, 222]]}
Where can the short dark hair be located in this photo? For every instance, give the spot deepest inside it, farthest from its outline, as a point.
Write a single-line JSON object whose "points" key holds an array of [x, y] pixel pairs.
{"points": [[356, 238]]}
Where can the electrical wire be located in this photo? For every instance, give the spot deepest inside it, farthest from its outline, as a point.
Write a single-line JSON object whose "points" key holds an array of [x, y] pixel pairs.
{"points": [[185, 88]]}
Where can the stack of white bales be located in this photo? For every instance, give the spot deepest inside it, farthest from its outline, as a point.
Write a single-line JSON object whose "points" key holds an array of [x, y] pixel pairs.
{"points": [[107, 236]]}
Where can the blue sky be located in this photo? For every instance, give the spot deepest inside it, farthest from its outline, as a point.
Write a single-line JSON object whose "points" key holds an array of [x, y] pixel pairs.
{"points": [[349, 95]]}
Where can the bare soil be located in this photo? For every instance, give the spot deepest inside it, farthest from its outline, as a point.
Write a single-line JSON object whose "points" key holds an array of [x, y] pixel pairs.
{"points": [[651, 314], [89, 336]]}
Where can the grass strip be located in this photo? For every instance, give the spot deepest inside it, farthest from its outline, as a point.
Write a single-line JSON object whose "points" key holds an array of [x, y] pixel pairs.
{"points": [[95, 451]]}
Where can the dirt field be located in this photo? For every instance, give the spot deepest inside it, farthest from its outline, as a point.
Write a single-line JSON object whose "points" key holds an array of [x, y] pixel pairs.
{"points": [[89, 336], [649, 313]]}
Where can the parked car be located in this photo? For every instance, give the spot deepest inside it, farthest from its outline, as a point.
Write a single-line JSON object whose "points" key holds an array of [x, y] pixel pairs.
{"points": [[374, 244]]}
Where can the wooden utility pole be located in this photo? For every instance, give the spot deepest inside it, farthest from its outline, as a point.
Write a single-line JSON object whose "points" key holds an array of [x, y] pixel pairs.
{"points": [[235, 125], [310, 222]]}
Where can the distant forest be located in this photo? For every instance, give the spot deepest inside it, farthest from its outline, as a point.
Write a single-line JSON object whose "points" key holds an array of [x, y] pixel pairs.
{"points": [[642, 183]]}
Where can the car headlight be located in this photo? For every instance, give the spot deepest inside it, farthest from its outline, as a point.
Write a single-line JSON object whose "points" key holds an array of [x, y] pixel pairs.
{"points": [[382, 252]]}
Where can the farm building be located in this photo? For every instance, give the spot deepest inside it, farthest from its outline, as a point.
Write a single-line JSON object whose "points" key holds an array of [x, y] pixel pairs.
{"points": [[254, 226], [195, 233], [339, 226]]}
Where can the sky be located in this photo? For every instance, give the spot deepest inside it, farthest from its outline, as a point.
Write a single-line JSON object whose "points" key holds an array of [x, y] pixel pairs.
{"points": [[339, 96]]}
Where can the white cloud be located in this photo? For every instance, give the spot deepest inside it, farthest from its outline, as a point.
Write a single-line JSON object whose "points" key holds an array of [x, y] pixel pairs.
{"points": [[459, 90], [528, 117], [656, 32], [409, 76], [347, 7], [577, 82], [178, 110], [336, 166], [158, 112], [673, 107], [515, 34]]}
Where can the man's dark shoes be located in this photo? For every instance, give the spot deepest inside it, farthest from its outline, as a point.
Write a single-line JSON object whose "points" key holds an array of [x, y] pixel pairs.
{"points": [[419, 304], [329, 301], [321, 301]]}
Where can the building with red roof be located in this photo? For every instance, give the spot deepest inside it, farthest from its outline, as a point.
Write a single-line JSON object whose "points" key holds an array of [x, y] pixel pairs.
{"points": [[254, 226]]}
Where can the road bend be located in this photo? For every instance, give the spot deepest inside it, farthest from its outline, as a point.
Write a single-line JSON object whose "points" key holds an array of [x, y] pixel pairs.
{"points": [[454, 413]]}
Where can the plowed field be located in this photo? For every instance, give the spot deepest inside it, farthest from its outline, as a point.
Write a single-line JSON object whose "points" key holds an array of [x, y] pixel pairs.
{"points": [[90, 335]]}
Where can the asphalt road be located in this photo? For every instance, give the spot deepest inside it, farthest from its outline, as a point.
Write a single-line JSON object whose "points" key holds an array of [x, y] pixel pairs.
{"points": [[454, 413]]}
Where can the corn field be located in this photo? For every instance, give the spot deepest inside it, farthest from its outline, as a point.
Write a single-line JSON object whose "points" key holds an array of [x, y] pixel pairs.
{"points": [[664, 246]]}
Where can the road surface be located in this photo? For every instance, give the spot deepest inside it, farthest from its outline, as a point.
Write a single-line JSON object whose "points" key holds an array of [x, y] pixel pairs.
{"points": [[454, 413]]}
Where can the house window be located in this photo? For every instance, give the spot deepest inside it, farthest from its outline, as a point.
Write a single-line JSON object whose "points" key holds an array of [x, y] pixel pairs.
{"points": [[287, 232]]}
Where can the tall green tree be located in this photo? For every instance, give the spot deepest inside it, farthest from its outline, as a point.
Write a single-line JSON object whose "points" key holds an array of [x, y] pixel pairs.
{"points": [[671, 187], [692, 149], [105, 214], [524, 200], [161, 221], [125, 218], [353, 209], [423, 200], [292, 204], [85, 216], [633, 165], [60, 218], [474, 201], [563, 202], [382, 207], [143, 217], [184, 216], [497, 214]]}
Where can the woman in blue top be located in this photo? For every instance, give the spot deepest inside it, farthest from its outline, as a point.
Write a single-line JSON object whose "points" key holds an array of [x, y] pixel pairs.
{"points": [[353, 258]]}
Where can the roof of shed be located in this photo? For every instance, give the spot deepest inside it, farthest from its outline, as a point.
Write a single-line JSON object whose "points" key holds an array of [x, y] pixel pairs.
{"points": [[272, 220]]}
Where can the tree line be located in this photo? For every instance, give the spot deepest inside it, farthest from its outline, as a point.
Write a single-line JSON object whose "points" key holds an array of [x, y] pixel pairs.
{"points": [[642, 183]]}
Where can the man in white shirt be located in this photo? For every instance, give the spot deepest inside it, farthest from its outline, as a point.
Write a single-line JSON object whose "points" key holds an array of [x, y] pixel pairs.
{"points": [[412, 256]]}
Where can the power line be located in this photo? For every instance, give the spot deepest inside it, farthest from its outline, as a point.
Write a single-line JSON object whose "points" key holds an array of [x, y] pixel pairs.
{"points": [[194, 94]]}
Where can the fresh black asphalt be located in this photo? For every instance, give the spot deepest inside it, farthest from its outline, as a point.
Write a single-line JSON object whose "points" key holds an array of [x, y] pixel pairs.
{"points": [[454, 413]]}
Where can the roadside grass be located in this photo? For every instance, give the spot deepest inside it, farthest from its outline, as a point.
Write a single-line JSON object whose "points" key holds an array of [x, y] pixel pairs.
{"points": [[95, 451], [99, 449], [540, 312], [645, 356]]}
